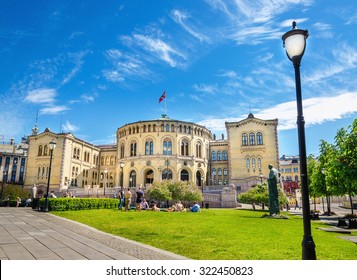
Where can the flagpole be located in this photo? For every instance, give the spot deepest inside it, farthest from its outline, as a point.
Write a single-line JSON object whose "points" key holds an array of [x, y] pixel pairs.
{"points": [[165, 103]]}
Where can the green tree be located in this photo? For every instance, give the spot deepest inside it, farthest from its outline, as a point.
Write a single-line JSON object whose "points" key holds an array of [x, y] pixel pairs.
{"points": [[345, 162], [260, 195]]}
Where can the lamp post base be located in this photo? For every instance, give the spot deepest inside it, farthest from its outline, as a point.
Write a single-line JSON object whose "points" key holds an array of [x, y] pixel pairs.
{"points": [[308, 248]]}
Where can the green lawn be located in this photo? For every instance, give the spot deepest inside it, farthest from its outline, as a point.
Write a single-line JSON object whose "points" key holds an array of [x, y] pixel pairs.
{"points": [[221, 234]]}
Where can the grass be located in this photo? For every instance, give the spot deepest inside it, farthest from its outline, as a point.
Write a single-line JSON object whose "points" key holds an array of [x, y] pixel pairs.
{"points": [[218, 234]]}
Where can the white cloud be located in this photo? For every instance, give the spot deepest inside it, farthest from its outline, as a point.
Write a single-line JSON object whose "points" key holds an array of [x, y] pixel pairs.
{"points": [[160, 48], [54, 110], [210, 89], [68, 127], [42, 95], [317, 110], [180, 17]]}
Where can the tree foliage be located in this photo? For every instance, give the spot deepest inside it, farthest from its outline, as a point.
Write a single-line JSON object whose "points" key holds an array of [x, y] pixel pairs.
{"points": [[171, 190], [260, 195], [334, 171]]}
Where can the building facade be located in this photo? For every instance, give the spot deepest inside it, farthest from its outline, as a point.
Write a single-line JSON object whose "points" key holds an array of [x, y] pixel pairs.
{"points": [[13, 161], [155, 150]]}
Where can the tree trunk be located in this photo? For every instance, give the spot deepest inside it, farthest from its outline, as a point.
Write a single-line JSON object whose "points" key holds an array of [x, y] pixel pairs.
{"points": [[351, 203], [328, 202]]}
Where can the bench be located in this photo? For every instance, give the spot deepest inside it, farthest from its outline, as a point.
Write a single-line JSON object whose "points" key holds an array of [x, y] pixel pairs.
{"points": [[352, 223]]}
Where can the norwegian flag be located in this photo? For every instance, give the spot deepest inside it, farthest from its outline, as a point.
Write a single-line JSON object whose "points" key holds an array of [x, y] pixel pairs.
{"points": [[163, 96]]}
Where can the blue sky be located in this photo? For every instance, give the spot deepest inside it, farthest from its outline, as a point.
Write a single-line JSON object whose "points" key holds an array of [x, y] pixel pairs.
{"points": [[89, 67]]}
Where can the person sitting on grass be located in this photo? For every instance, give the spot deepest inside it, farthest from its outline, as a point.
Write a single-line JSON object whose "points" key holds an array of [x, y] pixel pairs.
{"points": [[153, 206], [196, 207], [173, 208], [179, 207], [145, 205]]}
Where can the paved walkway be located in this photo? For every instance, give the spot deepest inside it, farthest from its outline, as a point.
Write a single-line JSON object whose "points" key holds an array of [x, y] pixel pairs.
{"points": [[29, 235]]}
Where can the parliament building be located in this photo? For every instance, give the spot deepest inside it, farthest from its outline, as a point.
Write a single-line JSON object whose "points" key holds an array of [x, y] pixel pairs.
{"points": [[154, 150]]}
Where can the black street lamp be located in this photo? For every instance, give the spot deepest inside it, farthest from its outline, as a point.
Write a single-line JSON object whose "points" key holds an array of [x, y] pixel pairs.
{"points": [[52, 146], [295, 43], [122, 174], [2, 185]]}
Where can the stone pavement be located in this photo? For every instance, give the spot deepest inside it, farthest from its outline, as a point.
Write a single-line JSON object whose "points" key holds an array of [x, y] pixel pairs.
{"points": [[26, 234]]}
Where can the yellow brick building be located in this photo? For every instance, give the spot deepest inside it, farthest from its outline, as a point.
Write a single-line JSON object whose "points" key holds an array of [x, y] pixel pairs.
{"points": [[153, 150]]}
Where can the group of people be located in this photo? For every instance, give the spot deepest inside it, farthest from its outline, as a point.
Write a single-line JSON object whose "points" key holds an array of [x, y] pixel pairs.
{"points": [[141, 203]]}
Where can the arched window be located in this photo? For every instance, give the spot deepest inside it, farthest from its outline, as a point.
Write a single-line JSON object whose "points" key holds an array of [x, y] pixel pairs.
{"points": [[189, 130], [167, 147], [213, 155], [245, 139], [253, 163], [219, 155], [184, 147], [166, 174], [144, 128], [111, 160], [167, 128], [184, 129], [133, 149], [122, 150], [149, 128], [214, 172], [198, 150], [101, 160], [184, 175], [224, 155], [219, 172], [225, 172], [247, 161], [40, 150], [172, 128], [259, 164], [107, 160], [149, 147], [259, 138], [45, 150], [251, 138], [162, 127]]}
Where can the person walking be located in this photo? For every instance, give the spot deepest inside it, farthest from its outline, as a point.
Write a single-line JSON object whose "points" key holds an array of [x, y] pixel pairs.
{"points": [[121, 198], [139, 199], [127, 199]]}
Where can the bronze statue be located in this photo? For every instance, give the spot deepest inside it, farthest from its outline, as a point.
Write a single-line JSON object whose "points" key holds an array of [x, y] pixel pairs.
{"points": [[273, 182]]}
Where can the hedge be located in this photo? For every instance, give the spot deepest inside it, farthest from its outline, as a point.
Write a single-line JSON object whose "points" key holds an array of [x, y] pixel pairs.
{"points": [[67, 204]]}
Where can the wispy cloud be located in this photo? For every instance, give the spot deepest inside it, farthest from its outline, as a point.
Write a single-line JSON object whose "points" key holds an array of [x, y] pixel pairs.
{"points": [[180, 17], [42, 95], [77, 60], [68, 127], [53, 110], [205, 88], [125, 66], [160, 49]]}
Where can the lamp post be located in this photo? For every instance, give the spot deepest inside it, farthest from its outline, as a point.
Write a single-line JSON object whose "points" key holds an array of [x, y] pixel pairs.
{"points": [[261, 178], [2, 185], [122, 174], [295, 43], [52, 146], [105, 178]]}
